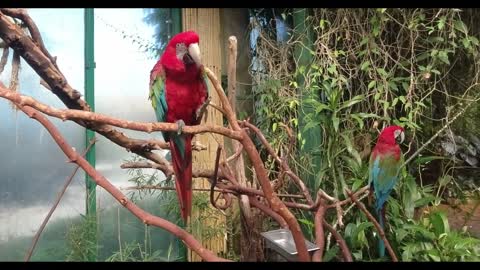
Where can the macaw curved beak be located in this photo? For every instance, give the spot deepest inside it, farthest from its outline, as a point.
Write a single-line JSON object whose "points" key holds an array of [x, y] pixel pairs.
{"points": [[194, 52], [400, 138]]}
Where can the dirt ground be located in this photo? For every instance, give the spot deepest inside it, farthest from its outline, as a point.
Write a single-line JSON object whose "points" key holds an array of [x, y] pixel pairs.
{"points": [[463, 215]]}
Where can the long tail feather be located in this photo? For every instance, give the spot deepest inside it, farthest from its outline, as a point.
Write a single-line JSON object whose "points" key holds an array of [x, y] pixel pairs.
{"points": [[381, 220], [181, 149]]}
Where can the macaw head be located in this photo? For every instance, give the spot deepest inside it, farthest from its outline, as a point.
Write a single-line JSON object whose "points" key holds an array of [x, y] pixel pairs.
{"points": [[392, 135], [182, 51]]}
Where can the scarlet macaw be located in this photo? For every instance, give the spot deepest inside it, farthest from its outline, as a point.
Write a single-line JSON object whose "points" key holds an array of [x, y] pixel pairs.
{"points": [[385, 163], [179, 94]]}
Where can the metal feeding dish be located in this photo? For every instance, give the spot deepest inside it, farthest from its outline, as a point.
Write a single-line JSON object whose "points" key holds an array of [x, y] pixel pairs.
{"points": [[282, 242]]}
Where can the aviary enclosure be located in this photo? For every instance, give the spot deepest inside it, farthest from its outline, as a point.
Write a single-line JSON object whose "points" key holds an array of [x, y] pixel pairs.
{"points": [[282, 158]]}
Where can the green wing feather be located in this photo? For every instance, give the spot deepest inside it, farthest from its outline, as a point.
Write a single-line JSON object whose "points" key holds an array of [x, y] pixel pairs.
{"points": [[158, 98]]}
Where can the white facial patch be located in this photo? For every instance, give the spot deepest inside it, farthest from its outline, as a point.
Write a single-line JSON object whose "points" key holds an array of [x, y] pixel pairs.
{"points": [[181, 50], [399, 135]]}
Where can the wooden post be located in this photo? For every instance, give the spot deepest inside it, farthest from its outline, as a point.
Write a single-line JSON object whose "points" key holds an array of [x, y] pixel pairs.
{"points": [[206, 22]]}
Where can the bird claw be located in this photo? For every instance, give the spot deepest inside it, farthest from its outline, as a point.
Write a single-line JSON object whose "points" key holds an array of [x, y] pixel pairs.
{"points": [[180, 124]]}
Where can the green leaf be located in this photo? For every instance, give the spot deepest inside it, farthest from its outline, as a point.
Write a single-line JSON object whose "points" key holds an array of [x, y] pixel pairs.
{"points": [[443, 181], [365, 65], [363, 226], [441, 23], [382, 72], [460, 26], [394, 102], [400, 234], [368, 115], [274, 127], [358, 183], [393, 85], [427, 159], [359, 120], [351, 102], [371, 84], [434, 255], [351, 150], [424, 201], [440, 222], [335, 122], [405, 86], [319, 107], [306, 222], [443, 56], [474, 40], [330, 254]]}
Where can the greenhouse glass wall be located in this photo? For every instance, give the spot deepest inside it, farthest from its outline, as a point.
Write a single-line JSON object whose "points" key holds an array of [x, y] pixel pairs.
{"points": [[35, 169]]}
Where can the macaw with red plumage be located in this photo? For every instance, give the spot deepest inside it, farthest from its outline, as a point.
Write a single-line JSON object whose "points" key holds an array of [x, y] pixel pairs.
{"points": [[179, 94], [385, 163]]}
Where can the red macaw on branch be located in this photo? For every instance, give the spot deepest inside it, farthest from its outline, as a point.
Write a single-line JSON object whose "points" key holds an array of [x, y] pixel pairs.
{"points": [[179, 94], [385, 163]]}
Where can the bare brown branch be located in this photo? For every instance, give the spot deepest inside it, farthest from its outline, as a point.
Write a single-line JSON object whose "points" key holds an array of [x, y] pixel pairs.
{"points": [[280, 162], [146, 218], [54, 206], [340, 241], [148, 127], [32, 28], [319, 232], [380, 231], [275, 203]]}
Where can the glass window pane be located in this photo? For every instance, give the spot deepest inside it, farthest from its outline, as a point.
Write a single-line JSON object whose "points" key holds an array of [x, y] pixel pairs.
{"points": [[33, 167]]}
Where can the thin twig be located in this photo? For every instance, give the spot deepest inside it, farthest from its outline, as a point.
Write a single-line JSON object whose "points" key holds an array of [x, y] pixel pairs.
{"points": [[101, 181], [340, 241], [284, 165], [214, 176], [54, 206], [462, 111]]}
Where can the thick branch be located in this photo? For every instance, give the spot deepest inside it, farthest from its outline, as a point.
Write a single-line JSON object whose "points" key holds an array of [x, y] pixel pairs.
{"points": [[146, 218], [21, 43], [32, 28], [255, 203], [237, 147], [100, 118], [275, 203], [319, 232], [36, 58]]}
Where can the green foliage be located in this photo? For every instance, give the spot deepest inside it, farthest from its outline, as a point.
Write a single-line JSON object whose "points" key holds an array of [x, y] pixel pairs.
{"points": [[81, 240], [368, 69]]}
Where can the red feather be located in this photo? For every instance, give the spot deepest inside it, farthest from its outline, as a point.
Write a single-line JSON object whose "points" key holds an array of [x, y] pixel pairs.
{"points": [[183, 174]]}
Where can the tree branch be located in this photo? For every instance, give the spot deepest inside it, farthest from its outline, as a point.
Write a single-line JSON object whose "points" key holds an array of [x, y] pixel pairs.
{"points": [[275, 203], [340, 241], [380, 231], [54, 206], [319, 232], [146, 218], [280, 162], [148, 127]]}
